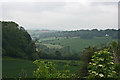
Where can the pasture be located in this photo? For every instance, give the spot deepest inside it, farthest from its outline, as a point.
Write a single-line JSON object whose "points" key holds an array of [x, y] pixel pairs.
{"points": [[15, 67], [77, 44]]}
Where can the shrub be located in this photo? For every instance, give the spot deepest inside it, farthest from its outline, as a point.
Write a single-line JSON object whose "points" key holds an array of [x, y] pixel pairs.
{"points": [[47, 70], [102, 65]]}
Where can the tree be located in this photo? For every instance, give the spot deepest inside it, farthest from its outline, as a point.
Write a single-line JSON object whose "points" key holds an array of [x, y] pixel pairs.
{"points": [[16, 41]]}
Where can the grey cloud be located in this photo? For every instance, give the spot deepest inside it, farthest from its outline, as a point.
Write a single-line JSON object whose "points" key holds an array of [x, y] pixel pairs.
{"points": [[103, 3], [62, 15]]}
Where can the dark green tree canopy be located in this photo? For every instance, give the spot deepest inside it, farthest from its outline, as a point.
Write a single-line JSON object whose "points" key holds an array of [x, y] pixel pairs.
{"points": [[16, 42]]}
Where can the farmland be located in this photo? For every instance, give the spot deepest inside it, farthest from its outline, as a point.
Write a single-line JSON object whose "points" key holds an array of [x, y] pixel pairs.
{"points": [[15, 67], [77, 44]]}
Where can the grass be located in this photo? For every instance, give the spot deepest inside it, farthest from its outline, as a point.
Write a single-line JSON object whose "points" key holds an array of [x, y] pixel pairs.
{"points": [[45, 39], [74, 65], [77, 44], [53, 46], [15, 67]]}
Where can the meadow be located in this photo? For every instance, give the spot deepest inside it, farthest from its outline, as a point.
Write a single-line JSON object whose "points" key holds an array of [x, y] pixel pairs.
{"points": [[77, 44], [15, 67]]}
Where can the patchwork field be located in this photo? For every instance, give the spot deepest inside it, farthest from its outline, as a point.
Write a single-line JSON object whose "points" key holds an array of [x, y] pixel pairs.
{"points": [[77, 44]]}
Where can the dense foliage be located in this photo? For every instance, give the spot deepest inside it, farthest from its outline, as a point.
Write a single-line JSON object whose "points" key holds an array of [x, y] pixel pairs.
{"points": [[47, 70], [89, 52], [16, 42], [102, 65], [57, 55]]}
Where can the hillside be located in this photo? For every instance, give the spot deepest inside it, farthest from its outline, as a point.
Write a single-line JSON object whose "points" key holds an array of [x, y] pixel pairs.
{"points": [[77, 44], [84, 34], [72, 41], [16, 41]]}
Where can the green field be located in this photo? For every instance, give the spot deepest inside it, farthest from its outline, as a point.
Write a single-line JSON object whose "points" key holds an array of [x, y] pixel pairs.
{"points": [[53, 46], [77, 44], [14, 67]]}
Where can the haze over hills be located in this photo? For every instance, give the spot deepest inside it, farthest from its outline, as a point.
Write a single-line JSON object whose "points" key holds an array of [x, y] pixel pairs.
{"points": [[60, 39], [74, 33]]}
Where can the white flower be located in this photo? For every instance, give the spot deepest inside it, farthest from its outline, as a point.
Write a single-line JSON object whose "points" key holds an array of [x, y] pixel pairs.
{"points": [[96, 73], [93, 72], [90, 63], [101, 75], [98, 53], [108, 75], [94, 64], [111, 63], [100, 65]]}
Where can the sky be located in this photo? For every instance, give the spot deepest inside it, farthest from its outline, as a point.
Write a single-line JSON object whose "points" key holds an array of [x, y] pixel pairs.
{"points": [[61, 14]]}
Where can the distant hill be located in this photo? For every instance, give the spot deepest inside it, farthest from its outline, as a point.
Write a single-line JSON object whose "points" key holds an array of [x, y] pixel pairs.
{"points": [[84, 34], [40, 33]]}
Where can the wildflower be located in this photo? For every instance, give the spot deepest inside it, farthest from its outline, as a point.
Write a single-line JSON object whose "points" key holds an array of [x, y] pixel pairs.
{"points": [[101, 75], [108, 75], [98, 53], [94, 64], [93, 72], [96, 73], [100, 65], [90, 63]]}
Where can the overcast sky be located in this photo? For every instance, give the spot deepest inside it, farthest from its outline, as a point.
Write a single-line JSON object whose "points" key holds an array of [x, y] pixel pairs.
{"points": [[62, 15]]}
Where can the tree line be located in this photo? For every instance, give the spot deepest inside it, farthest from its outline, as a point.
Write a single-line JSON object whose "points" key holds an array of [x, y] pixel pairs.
{"points": [[84, 34]]}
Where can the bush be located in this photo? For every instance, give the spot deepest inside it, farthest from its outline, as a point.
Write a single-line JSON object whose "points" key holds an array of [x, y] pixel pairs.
{"points": [[47, 70], [102, 65]]}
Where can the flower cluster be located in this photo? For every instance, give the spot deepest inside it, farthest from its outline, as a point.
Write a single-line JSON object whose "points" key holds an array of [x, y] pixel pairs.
{"points": [[101, 65]]}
